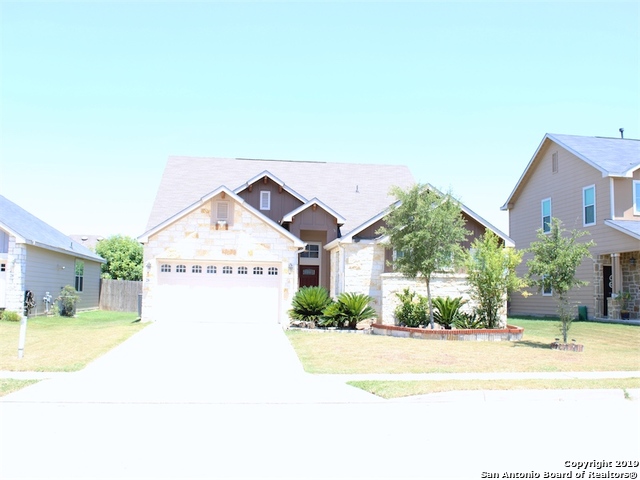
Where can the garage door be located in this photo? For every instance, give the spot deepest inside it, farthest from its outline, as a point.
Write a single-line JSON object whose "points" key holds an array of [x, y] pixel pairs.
{"points": [[218, 292]]}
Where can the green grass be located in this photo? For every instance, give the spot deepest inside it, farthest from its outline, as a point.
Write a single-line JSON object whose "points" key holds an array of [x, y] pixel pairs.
{"points": [[61, 344], [8, 385], [395, 389], [606, 347]]}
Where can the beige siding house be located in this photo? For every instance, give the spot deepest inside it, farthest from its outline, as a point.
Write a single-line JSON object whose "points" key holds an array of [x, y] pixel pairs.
{"points": [[37, 258], [228, 236], [592, 184]]}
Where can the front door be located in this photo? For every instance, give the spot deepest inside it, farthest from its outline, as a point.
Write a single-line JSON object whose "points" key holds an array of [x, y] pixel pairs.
{"points": [[309, 276], [607, 281]]}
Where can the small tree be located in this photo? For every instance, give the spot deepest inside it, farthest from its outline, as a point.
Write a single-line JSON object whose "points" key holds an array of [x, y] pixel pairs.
{"points": [[491, 270], [425, 229], [123, 256], [556, 256]]}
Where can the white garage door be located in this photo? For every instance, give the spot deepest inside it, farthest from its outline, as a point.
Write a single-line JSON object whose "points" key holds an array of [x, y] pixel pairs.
{"points": [[218, 292]]}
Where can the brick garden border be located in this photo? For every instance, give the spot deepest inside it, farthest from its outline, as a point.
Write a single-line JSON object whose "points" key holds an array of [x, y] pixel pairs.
{"points": [[510, 333]]}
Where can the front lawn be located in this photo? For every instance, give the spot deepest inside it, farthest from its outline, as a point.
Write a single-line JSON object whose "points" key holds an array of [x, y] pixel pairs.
{"points": [[607, 347], [62, 344]]}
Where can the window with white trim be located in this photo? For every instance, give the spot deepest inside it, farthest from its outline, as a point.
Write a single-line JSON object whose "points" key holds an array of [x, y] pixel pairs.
{"points": [[3, 267], [227, 270], [165, 268], [272, 271], [636, 197], [211, 269], [589, 205], [242, 270], [312, 250], [181, 268], [222, 214], [265, 200], [546, 215], [547, 291], [79, 275], [258, 270], [196, 269]]}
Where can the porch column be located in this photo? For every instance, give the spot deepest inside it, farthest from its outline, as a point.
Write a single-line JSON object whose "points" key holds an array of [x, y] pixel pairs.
{"points": [[616, 273]]}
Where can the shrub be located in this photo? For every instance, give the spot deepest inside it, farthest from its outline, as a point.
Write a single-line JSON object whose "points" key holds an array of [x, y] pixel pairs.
{"points": [[469, 321], [412, 311], [308, 304], [348, 310], [447, 310], [10, 316], [67, 301]]}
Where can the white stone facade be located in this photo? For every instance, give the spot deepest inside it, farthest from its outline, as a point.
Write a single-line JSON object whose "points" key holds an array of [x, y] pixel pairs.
{"points": [[194, 236]]}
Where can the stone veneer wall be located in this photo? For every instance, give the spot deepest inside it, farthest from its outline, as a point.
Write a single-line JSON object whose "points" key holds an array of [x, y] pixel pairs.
{"points": [[194, 237], [630, 283], [16, 266], [442, 285], [364, 265]]}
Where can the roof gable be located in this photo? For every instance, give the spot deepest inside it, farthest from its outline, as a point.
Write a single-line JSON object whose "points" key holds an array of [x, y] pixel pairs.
{"points": [[29, 229], [612, 157], [314, 202], [357, 191]]}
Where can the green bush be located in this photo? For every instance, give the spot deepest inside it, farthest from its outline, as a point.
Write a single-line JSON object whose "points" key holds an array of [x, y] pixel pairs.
{"points": [[67, 301], [309, 303], [469, 321], [10, 316], [412, 311], [348, 311], [446, 310]]}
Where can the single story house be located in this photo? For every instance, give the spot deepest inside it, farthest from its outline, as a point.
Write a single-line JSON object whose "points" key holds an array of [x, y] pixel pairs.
{"points": [[36, 257], [228, 235]]}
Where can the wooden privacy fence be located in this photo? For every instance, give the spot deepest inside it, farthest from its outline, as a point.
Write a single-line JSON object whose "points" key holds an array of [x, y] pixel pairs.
{"points": [[119, 295]]}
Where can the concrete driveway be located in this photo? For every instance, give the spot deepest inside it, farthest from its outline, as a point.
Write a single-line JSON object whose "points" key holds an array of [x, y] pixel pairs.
{"points": [[192, 402]]}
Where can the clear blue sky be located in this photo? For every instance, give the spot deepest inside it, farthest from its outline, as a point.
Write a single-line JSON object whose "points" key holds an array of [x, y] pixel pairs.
{"points": [[94, 96]]}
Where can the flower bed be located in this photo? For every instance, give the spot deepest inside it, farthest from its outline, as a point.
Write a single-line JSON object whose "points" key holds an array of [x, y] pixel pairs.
{"points": [[510, 333]]}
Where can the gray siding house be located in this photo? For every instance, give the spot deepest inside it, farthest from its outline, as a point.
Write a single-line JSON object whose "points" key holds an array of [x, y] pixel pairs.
{"points": [[592, 184], [36, 257], [230, 235]]}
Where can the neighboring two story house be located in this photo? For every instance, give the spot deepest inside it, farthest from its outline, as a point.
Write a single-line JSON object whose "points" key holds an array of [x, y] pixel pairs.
{"points": [[593, 184], [230, 238]]}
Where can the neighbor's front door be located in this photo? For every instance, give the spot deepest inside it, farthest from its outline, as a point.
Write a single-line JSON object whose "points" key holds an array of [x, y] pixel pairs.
{"points": [[309, 276]]}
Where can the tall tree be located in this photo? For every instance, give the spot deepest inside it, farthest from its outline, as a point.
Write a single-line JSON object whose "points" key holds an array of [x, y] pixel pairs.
{"points": [[124, 258], [491, 270], [556, 257], [425, 228]]}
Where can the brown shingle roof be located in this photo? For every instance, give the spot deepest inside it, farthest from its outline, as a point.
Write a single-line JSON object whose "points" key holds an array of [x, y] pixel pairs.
{"points": [[356, 191]]}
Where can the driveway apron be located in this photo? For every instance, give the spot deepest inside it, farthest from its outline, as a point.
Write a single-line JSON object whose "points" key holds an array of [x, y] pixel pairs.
{"points": [[196, 362]]}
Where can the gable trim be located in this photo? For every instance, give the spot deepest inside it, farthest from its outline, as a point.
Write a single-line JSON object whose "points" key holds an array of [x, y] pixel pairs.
{"points": [[144, 238], [314, 201], [274, 179]]}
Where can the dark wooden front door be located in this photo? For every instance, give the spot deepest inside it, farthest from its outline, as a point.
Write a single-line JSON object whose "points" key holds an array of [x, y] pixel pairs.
{"points": [[607, 281], [309, 276]]}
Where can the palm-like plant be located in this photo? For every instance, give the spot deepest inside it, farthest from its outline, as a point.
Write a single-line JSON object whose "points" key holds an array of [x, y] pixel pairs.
{"points": [[308, 304], [350, 309], [447, 310]]}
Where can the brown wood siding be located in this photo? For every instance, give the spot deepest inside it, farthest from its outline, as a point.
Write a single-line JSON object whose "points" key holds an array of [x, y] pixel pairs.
{"points": [[282, 202], [44, 273], [565, 188], [370, 232]]}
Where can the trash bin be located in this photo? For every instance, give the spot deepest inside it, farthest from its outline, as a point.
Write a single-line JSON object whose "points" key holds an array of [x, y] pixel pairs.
{"points": [[582, 313]]}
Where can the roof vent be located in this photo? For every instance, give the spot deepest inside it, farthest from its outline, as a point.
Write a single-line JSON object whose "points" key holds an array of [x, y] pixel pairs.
{"points": [[621, 130]]}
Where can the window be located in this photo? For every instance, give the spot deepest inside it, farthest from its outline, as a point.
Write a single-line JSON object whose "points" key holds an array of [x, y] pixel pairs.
{"points": [[222, 210], [589, 205], [272, 271], [211, 269], [636, 197], [546, 289], [79, 275], [312, 250], [3, 267], [165, 268], [242, 270], [181, 269], [257, 270], [265, 200], [227, 270], [222, 215], [554, 162], [546, 215], [196, 269]]}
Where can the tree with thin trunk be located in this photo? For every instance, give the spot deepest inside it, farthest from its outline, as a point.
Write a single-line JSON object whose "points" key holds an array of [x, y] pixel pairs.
{"points": [[425, 228], [491, 271], [556, 257]]}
